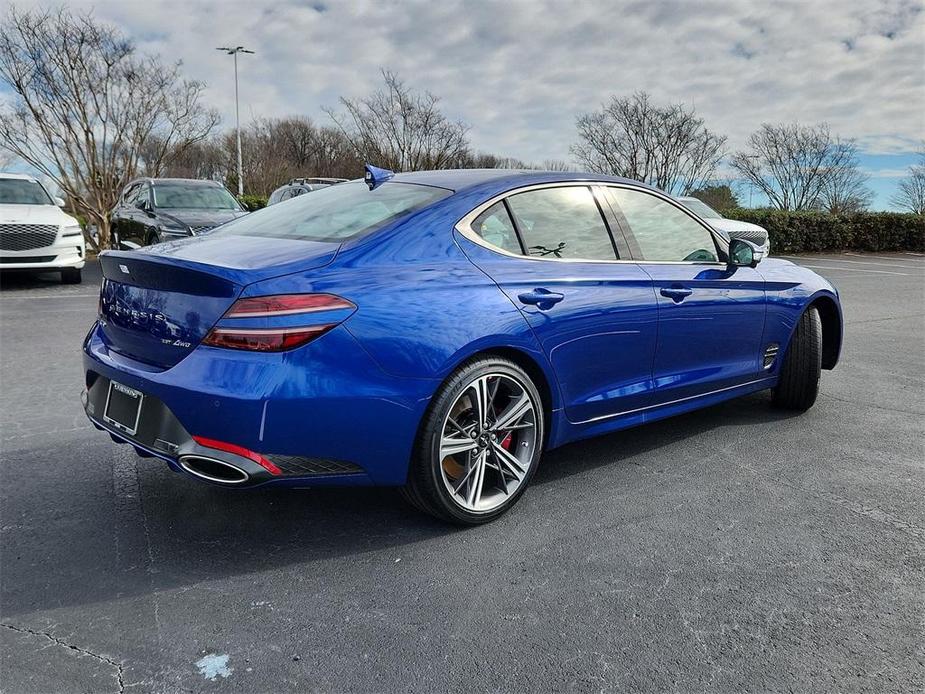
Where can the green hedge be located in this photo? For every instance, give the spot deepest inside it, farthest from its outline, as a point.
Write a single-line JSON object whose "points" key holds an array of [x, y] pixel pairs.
{"points": [[253, 202], [803, 232]]}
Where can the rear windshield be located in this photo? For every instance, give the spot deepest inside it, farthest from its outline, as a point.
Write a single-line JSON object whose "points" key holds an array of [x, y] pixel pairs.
{"points": [[19, 191], [336, 213], [177, 196]]}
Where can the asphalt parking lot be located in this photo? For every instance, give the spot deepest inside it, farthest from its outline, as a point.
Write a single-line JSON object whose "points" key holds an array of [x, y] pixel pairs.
{"points": [[736, 548]]}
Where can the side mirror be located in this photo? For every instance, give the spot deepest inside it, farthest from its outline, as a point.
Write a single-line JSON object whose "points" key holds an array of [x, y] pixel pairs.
{"points": [[59, 202], [744, 253]]}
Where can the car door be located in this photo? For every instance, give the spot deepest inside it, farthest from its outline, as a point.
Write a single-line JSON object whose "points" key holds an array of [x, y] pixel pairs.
{"points": [[710, 315], [550, 250]]}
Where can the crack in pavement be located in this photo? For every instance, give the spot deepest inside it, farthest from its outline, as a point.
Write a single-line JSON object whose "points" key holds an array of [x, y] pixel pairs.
{"points": [[77, 649]]}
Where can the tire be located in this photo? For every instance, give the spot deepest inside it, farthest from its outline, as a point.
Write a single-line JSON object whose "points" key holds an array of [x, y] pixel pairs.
{"points": [[71, 275], [492, 474], [798, 384]]}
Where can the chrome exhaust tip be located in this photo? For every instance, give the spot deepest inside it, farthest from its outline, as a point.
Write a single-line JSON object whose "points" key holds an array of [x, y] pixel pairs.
{"points": [[213, 470]]}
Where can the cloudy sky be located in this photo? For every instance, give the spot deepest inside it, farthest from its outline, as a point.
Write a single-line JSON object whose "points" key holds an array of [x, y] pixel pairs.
{"points": [[519, 72]]}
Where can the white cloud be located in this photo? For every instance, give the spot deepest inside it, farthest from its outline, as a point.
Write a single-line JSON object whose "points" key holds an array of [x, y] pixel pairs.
{"points": [[519, 72]]}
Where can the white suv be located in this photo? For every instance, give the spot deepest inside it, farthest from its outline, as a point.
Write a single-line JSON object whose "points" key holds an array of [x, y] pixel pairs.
{"points": [[35, 234]]}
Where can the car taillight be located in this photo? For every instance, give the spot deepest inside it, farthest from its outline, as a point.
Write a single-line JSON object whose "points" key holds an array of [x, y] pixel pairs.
{"points": [[286, 305], [281, 338], [264, 340]]}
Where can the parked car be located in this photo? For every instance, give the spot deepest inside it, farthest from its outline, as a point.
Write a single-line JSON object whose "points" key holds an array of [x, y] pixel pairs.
{"points": [[152, 210], [732, 228], [300, 186], [439, 330], [35, 233]]}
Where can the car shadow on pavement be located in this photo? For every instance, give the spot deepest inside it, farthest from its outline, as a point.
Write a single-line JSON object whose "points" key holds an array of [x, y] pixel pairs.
{"points": [[154, 530], [17, 280]]}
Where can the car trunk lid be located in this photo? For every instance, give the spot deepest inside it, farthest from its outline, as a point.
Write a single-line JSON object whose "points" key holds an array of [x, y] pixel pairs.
{"points": [[158, 304]]}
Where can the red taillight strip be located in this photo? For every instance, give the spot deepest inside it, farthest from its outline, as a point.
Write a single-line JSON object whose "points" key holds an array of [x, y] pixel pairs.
{"points": [[264, 339], [238, 450], [286, 305]]}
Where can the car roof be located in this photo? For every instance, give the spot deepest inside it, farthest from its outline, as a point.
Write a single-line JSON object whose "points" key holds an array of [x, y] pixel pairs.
{"points": [[461, 179], [19, 177], [189, 181]]}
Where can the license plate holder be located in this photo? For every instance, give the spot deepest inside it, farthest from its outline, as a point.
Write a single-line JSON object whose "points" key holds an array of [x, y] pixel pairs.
{"points": [[123, 408]]}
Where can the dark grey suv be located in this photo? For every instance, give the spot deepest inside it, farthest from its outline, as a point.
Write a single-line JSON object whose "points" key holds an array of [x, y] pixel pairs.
{"points": [[152, 210]]}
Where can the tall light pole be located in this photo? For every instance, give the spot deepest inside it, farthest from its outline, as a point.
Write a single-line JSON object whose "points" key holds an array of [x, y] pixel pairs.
{"points": [[237, 113]]}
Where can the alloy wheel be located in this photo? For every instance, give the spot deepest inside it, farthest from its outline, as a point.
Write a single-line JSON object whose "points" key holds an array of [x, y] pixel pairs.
{"points": [[488, 441]]}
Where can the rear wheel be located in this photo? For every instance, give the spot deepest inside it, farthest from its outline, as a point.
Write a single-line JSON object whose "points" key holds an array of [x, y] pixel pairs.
{"points": [[71, 275], [479, 444], [798, 385]]}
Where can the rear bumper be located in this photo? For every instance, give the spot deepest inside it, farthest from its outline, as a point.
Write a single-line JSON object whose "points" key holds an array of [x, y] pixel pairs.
{"points": [[64, 253], [325, 414]]}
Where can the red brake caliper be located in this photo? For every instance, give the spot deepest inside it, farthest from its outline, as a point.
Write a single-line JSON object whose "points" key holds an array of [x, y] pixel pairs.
{"points": [[506, 441]]}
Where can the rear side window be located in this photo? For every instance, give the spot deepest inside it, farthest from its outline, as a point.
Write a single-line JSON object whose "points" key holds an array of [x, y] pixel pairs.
{"points": [[495, 227], [336, 213], [562, 223], [662, 231]]}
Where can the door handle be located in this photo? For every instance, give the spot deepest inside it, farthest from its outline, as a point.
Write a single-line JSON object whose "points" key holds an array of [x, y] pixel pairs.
{"points": [[676, 294], [541, 298]]}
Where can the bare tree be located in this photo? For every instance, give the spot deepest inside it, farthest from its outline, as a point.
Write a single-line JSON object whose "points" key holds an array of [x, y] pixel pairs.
{"points": [[910, 195], [794, 165], [666, 146], [402, 129], [88, 111], [845, 189]]}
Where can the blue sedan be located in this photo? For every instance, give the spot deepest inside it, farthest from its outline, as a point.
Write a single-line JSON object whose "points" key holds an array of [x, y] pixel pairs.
{"points": [[439, 330]]}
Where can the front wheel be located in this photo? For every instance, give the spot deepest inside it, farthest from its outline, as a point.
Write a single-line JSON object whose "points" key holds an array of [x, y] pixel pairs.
{"points": [[798, 385], [479, 444]]}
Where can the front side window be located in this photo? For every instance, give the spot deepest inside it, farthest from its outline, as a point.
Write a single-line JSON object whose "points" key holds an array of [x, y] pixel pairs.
{"points": [[663, 231], [138, 195], [21, 191], [495, 226], [336, 213], [701, 209], [174, 196], [562, 222]]}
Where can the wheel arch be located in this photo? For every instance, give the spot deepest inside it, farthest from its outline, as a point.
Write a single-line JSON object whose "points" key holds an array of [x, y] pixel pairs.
{"points": [[831, 319], [544, 380]]}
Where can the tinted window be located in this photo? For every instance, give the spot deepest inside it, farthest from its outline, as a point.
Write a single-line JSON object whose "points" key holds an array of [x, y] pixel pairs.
{"points": [[562, 223], [193, 197], [701, 208], [495, 226], [663, 231], [336, 213], [137, 195]]}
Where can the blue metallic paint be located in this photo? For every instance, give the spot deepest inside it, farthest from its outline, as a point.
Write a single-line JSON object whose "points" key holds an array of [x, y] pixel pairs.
{"points": [[613, 353]]}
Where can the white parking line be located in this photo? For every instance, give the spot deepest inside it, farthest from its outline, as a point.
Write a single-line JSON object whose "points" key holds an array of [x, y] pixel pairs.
{"points": [[854, 269], [901, 266], [18, 295], [895, 259]]}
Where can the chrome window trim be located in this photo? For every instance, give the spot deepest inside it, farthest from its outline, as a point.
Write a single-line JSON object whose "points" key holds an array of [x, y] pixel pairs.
{"points": [[464, 225]]}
